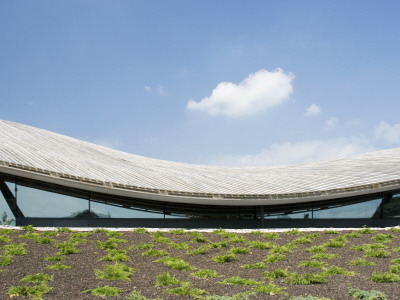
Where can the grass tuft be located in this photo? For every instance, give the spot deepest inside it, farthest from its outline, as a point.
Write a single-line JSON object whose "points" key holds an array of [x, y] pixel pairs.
{"points": [[258, 265], [165, 279], [205, 273], [361, 262], [387, 277], [224, 258], [39, 277], [277, 273], [58, 266], [175, 263], [306, 279], [185, 290], [35, 292], [105, 291], [240, 281], [117, 271]]}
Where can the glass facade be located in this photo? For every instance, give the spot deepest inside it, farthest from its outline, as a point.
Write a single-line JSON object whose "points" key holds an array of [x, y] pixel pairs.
{"points": [[38, 203]]}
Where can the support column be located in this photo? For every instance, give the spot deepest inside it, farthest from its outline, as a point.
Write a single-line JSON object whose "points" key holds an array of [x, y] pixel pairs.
{"points": [[262, 216], [385, 199], [11, 200]]}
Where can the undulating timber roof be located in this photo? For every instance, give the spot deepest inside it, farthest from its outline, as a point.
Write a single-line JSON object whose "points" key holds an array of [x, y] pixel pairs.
{"points": [[57, 159]]}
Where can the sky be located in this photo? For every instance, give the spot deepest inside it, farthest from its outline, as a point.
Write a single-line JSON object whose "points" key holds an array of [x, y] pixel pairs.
{"points": [[236, 83]]}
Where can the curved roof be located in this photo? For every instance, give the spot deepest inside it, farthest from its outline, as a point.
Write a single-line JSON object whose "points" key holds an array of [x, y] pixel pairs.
{"points": [[53, 158]]}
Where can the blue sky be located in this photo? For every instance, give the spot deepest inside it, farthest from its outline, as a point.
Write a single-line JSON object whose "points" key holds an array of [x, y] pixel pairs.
{"points": [[206, 82]]}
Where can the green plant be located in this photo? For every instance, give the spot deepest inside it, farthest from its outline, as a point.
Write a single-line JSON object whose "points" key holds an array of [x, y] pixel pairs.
{"points": [[199, 251], [361, 262], [280, 249], [136, 295], [5, 260], [334, 270], [396, 261], [185, 290], [28, 228], [219, 245], [309, 297], [104, 291], [256, 232], [377, 253], [116, 255], [294, 231], [352, 235], [270, 289], [39, 277], [260, 245], [114, 234], [333, 243], [237, 239], [154, 252], [273, 258], [182, 246], [316, 249], [199, 239], [312, 264], [330, 231], [5, 239], [224, 258], [271, 235], [277, 273], [303, 240], [117, 271], [144, 246], [14, 249], [35, 292], [239, 250], [175, 263], [240, 281], [58, 266], [383, 238], [66, 248], [30, 235], [368, 295], [394, 269], [111, 243], [306, 279], [161, 239], [205, 273], [177, 231], [240, 296], [140, 230], [366, 230], [396, 249], [165, 279], [387, 277], [258, 265], [55, 258], [394, 229], [6, 231], [63, 229]]}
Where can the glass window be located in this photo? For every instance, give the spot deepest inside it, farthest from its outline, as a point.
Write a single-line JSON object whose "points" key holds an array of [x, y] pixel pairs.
{"points": [[391, 209], [6, 216], [368, 209], [101, 210], [36, 203]]}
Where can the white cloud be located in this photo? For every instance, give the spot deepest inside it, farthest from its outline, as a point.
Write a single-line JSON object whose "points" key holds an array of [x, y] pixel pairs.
{"points": [[257, 92], [301, 152], [312, 110], [385, 131], [331, 123], [147, 88]]}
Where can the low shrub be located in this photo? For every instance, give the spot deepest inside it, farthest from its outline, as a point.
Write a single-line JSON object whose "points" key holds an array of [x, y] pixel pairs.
{"points": [[306, 279], [224, 258], [240, 281], [368, 295], [258, 265], [35, 292], [361, 262], [175, 263], [205, 273], [165, 279], [185, 290], [117, 271], [39, 277], [277, 273], [387, 277]]}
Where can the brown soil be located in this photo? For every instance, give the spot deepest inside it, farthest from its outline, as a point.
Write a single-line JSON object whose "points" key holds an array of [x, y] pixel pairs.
{"points": [[70, 283]]}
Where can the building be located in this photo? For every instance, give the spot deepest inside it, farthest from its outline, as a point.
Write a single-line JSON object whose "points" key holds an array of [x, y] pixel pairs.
{"points": [[48, 179]]}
